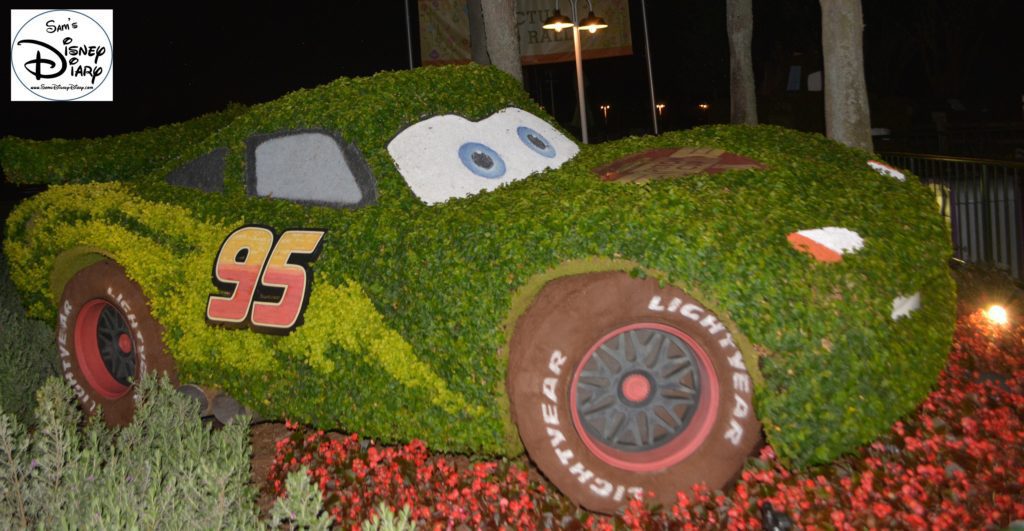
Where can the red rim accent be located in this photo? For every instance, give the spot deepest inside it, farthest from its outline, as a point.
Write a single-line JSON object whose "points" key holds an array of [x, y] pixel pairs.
{"points": [[87, 352], [636, 388], [124, 343], [683, 444]]}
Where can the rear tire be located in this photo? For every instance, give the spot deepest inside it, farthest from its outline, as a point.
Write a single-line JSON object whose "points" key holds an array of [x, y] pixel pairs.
{"points": [[619, 386], [107, 339]]}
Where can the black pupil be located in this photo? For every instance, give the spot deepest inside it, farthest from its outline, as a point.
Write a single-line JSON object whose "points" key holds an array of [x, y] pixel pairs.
{"points": [[483, 160], [537, 142]]}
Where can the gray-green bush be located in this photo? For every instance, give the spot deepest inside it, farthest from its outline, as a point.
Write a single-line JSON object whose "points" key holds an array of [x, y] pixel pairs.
{"points": [[28, 354], [166, 470], [302, 507], [388, 520]]}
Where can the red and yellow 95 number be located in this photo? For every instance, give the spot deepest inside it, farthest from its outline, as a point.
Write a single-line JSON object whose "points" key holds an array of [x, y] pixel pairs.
{"points": [[266, 278]]}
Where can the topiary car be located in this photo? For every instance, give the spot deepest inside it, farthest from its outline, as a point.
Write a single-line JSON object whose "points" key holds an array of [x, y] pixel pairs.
{"points": [[424, 254]]}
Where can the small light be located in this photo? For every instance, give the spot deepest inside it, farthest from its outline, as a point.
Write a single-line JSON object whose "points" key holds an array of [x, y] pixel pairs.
{"points": [[997, 315], [593, 23], [703, 106], [557, 21]]}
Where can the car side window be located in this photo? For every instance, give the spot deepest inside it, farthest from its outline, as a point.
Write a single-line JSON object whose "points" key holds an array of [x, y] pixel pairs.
{"points": [[309, 166], [205, 173]]}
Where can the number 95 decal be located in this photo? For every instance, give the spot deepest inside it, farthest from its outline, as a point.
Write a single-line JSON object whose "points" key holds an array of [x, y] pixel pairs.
{"points": [[266, 278]]}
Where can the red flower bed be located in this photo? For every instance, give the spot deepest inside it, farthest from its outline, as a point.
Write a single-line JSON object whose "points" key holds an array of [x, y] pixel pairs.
{"points": [[437, 489], [957, 463]]}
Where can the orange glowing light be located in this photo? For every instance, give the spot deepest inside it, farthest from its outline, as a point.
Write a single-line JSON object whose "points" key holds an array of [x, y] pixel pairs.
{"points": [[997, 315]]}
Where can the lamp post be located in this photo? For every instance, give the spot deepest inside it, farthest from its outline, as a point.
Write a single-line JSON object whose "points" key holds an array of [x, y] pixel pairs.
{"points": [[604, 110], [558, 22], [661, 108]]}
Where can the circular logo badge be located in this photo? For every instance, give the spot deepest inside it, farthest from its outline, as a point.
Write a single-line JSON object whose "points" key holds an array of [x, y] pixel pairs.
{"points": [[63, 55]]}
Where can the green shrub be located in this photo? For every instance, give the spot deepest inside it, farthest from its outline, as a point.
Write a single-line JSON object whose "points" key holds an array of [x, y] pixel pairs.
{"points": [[28, 353], [412, 302], [108, 158], [387, 520], [301, 508], [164, 471]]}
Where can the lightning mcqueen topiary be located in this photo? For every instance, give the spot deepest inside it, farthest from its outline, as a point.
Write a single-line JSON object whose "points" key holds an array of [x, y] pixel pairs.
{"points": [[424, 254]]}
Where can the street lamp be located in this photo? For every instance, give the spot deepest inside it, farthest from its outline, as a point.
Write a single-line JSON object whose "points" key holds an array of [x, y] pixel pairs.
{"points": [[604, 110], [593, 23], [660, 107], [558, 22]]}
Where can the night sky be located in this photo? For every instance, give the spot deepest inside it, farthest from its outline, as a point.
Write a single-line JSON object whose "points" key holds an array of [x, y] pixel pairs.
{"points": [[178, 62]]}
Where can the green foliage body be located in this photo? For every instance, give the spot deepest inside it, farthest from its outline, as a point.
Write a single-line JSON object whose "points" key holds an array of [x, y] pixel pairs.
{"points": [[406, 330]]}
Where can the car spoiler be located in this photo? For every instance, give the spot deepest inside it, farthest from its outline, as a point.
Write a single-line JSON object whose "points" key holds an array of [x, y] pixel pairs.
{"points": [[117, 157]]}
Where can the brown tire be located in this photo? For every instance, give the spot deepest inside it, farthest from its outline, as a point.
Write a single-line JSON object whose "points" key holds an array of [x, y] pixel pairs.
{"points": [[106, 339], [619, 386]]}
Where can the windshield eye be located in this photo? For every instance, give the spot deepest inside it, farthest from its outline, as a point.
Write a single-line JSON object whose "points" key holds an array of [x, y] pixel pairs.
{"points": [[536, 141], [448, 156], [482, 160]]}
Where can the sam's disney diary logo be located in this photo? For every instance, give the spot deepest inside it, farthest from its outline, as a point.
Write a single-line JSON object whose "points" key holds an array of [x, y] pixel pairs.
{"points": [[62, 55]]}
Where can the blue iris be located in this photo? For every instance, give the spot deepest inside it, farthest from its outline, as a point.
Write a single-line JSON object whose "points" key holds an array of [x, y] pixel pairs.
{"points": [[482, 160], [536, 141]]}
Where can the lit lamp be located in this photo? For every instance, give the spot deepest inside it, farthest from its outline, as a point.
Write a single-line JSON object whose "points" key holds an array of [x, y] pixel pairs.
{"points": [[660, 107], [704, 107], [558, 22], [593, 23], [997, 315]]}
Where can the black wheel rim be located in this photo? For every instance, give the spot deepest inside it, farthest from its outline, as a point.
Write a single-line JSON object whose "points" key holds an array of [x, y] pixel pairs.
{"points": [[112, 338], [639, 390]]}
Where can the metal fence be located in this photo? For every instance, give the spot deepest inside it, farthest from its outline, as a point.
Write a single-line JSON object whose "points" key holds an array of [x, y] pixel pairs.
{"points": [[984, 202]]}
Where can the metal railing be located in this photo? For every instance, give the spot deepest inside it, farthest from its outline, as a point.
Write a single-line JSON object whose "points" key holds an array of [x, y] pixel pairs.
{"points": [[984, 202], [998, 140]]}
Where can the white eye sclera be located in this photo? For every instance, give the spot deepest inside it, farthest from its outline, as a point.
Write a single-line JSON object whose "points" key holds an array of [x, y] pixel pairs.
{"points": [[448, 156]]}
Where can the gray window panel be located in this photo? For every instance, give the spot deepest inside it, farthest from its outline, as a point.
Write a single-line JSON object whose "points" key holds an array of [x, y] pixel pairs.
{"points": [[205, 173], [308, 166]]}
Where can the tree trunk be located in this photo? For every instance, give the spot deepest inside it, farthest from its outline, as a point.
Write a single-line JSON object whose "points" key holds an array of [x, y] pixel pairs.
{"points": [[502, 36], [477, 35], [847, 116], [739, 20]]}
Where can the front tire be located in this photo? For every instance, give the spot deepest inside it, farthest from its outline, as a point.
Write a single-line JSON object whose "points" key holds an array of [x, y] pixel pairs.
{"points": [[107, 339], [619, 386]]}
